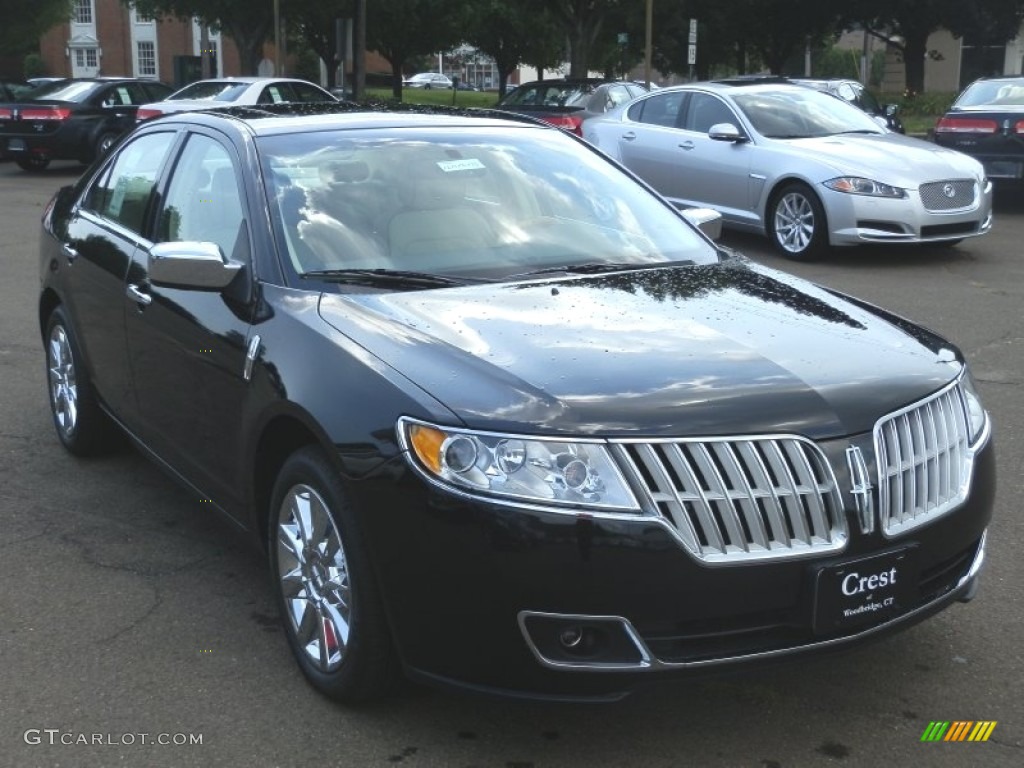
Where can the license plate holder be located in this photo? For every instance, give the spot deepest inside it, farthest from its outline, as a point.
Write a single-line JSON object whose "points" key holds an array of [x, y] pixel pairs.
{"points": [[15, 145], [866, 591]]}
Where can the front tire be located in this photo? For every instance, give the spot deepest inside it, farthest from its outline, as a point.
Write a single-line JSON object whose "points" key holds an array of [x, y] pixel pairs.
{"points": [[325, 588], [796, 223], [83, 428]]}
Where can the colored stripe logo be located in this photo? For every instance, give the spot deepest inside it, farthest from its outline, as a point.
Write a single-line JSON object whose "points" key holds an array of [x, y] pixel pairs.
{"points": [[959, 730]]}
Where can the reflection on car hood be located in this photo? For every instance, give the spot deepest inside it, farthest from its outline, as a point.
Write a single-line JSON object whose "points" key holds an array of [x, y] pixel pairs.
{"points": [[675, 351], [891, 158]]}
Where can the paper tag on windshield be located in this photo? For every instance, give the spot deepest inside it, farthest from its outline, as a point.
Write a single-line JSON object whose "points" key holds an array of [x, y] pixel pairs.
{"points": [[468, 164]]}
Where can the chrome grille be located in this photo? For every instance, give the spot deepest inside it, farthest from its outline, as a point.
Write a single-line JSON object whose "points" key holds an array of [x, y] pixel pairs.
{"points": [[737, 499], [924, 461], [936, 197]]}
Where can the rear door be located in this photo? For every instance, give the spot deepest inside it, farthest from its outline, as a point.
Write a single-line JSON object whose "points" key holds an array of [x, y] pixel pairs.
{"points": [[648, 141], [104, 231]]}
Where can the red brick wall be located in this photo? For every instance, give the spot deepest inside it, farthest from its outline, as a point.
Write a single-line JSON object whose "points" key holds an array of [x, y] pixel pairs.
{"points": [[113, 29]]}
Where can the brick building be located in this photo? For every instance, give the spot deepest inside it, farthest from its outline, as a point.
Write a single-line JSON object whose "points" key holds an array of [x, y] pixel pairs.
{"points": [[103, 37]]}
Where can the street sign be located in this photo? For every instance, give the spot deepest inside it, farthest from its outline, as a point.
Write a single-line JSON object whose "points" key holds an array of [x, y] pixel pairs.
{"points": [[693, 31], [691, 54]]}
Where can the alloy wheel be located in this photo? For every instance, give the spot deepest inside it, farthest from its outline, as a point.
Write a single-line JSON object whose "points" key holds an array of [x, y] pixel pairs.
{"points": [[63, 381], [794, 222], [314, 578]]}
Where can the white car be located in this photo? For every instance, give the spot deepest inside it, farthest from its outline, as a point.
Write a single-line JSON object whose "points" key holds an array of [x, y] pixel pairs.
{"points": [[235, 91], [800, 166], [428, 80]]}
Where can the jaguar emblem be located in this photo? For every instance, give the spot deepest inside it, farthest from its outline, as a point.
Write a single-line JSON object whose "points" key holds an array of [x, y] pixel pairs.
{"points": [[949, 191]]}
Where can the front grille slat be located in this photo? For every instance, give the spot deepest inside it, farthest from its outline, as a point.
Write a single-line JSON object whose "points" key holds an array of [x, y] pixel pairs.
{"points": [[924, 460], [735, 500]]}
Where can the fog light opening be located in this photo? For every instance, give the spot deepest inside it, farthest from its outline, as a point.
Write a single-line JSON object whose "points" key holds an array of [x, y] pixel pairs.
{"points": [[571, 637]]}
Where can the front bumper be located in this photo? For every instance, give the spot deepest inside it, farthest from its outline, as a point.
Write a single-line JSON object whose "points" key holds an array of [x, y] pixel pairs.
{"points": [[859, 219], [490, 597]]}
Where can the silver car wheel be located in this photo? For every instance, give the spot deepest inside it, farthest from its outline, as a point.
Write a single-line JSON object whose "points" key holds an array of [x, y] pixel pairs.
{"points": [[794, 222], [314, 577], [63, 382]]}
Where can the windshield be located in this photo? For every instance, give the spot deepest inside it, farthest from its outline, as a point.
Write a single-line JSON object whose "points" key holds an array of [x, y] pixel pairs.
{"points": [[212, 91], [549, 95], [995, 92], [801, 113], [473, 203]]}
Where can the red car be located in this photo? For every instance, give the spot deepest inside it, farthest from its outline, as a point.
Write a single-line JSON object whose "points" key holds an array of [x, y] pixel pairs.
{"points": [[568, 103]]}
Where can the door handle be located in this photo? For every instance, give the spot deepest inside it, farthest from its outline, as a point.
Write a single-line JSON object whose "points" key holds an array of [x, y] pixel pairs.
{"points": [[687, 145], [629, 136], [138, 295], [69, 253]]}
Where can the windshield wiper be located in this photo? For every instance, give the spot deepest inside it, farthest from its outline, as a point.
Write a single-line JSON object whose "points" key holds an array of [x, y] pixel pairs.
{"points": [[597, 267], [859, 130], [385, 277]]}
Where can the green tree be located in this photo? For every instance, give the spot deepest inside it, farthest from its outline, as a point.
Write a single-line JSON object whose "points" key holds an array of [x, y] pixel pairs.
{"points": [[907, 24], [582, 22], [247, 22], [314, 22], [25, 21], [400, 30], [501, 30]]}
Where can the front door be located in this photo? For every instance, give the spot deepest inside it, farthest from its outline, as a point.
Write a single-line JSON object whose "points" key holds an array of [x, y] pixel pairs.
{"points": [[187, 347]]}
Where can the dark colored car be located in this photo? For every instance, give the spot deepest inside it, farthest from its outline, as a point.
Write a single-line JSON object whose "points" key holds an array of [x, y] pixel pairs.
{"points": [[497, 413], [568, 103], [987, 122], [855, 93], [72, 119], [12, 89]]}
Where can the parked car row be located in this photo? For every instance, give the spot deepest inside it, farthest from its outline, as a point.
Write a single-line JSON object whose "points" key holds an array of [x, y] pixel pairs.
{"points": [[80, 119], [501, 417]]}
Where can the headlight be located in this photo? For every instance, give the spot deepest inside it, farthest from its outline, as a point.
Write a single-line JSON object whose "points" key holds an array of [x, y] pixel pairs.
{"points": [[855, 185], [976, 415], [526, 468]]}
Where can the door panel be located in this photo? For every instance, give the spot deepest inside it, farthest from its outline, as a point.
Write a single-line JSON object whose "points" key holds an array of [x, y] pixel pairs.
{"points": [[187, 347], [103, 236]]}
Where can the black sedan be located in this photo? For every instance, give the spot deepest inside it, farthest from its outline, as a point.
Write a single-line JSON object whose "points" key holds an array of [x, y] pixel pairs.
{"points": [[569, 103], [72, 119], [987, 122], [499, 415]]}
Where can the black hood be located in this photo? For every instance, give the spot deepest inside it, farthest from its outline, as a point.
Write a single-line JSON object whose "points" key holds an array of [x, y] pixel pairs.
{"points": [[706, 350]]}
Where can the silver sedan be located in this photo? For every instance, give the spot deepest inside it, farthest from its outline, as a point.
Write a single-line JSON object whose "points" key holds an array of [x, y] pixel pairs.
{"points": [[802, 167]]}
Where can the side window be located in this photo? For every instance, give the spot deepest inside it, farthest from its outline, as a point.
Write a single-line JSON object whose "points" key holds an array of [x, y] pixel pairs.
{"points": [[617, 94], [133, 93], [275, 93], [846, 93], [123, 192], [203, 201], [658, 110], [706, 111], [304, 92]]}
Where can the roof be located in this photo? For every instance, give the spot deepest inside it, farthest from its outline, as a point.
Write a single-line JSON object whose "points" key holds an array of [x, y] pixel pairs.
{"points": [[270, 119]]}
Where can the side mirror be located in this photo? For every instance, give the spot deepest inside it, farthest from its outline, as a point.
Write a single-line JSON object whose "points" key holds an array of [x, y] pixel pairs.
{"points": [[706, 220], [185, 264], [726, 132], [891, 110]]}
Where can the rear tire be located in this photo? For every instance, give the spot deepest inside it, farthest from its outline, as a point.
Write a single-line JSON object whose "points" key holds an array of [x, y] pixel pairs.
{"points": [[325, 588], [796, 223], [33, 163], [82, 426], [104, 143]]}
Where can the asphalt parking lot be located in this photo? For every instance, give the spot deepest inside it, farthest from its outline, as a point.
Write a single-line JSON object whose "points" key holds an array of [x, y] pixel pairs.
{"points": [[129, 616]]}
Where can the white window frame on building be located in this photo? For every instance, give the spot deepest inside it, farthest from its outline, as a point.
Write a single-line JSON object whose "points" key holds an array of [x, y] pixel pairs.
{"points": [[144, 37], [83, 12], [83, 47]]}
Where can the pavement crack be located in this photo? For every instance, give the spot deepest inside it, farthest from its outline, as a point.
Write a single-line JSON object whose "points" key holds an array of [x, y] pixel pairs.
{"points": [[135, 623]]}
